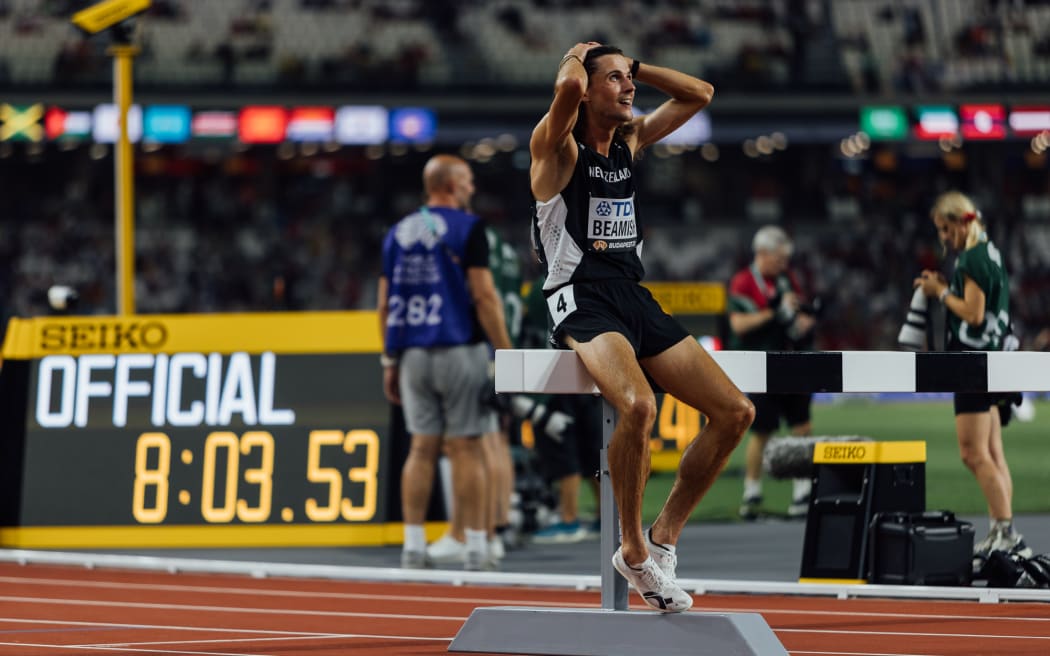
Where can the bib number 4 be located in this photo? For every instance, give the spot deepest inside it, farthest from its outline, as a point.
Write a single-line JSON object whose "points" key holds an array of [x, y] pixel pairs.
{"points": [[562, 304]]}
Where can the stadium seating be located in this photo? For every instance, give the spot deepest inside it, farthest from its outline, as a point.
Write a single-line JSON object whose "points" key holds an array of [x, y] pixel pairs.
{"points": [[950, 44], [213, 234]]}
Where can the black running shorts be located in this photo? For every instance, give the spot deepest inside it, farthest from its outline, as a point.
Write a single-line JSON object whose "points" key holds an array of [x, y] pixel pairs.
{"points": [[578, 449], [586, 310], [966, 403], [771, 408]]}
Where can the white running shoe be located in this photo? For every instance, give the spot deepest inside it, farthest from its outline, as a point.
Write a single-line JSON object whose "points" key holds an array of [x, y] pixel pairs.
{"points": [[475, 561], [656, 589], [414, 560], [496, 549], [1012, 543], [665, 558], [447, 551]]}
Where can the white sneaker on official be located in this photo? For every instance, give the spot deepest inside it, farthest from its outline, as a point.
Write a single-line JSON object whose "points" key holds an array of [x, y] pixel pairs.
{"points": [[475, 561], [496, 549], [656, 588], [414, 560], [664, 557], [447, 551]]}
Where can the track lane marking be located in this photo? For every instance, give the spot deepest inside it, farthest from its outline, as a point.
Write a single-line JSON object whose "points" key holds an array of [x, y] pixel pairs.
{"points": [[173, 627], [284, 593], [124, 649], [319, 636], [913, 634], [280, 611], [486, 601], [226, 609], [792, 652]]}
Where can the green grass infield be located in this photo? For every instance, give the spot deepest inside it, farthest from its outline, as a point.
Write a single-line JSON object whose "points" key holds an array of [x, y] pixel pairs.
{"points": [[949, 485]]}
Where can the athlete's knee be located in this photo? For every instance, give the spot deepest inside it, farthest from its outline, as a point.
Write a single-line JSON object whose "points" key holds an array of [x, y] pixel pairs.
{"points": [[464, 447], [737, 416], [640, 412], [425, 449], [972, 458]]}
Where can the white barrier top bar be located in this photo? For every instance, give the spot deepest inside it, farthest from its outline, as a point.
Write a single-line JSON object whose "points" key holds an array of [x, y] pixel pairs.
{"points": [[546, 371]]}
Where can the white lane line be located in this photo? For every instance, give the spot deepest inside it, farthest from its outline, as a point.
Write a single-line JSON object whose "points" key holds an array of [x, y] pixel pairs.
{"points": [[923, 634], [277, 635], [173, 627], [127, 649], [226, 609], [872, 614], [319, 636], [282, 593], [853, 653], [480, 601]]}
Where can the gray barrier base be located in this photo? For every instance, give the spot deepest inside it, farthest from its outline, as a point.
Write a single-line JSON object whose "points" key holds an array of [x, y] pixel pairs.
{"points": [[595, 632]]}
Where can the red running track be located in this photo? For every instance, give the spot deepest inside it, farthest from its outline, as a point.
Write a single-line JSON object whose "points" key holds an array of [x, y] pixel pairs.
{"points": [[51, 610]]}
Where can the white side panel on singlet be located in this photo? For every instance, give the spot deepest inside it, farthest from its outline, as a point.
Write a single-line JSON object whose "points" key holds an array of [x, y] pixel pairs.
{"points": [[562, 253]]}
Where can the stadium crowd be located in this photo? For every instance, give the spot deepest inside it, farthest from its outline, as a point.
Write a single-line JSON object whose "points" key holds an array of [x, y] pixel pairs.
{"points": [[902, 46], [253, 232], [223, 228]]}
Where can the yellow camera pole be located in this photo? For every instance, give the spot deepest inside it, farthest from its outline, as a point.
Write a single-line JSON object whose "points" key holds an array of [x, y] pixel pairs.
{"points": [[124, 226], [113, 16]]}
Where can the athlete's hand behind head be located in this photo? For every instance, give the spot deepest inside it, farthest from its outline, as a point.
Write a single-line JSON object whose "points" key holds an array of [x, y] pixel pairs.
{"points": [[581, 49]]}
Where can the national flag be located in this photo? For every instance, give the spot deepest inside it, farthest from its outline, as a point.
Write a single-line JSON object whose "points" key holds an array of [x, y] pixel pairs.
{"points": [[21, 122], [311, 124]]}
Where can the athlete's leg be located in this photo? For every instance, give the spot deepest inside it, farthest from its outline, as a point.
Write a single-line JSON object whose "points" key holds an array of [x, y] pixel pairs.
{"points": [[417, 477], [998, 455], [609, 359], [687, 372], [469, 481], [501, 476], [756, 446], [974, 430]]}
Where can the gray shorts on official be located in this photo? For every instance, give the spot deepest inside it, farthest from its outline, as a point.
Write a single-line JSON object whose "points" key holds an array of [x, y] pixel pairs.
{"points": [[442, 388]]}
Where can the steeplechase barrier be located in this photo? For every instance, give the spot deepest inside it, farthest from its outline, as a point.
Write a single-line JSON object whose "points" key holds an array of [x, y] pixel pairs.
{"points": [[613, 630]]}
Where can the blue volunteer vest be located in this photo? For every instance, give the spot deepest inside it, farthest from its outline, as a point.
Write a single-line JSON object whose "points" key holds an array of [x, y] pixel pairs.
{"points": [[429, 303]]}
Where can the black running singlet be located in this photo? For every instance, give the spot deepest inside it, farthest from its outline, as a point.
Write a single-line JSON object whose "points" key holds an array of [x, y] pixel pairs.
{"points": [[590, 230]]}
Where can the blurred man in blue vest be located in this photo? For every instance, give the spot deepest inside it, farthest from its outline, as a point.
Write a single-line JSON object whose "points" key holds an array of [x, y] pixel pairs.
{"points": [[437, 304]]}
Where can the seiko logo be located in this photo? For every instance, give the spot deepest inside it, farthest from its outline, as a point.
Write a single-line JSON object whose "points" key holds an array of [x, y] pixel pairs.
{"points": [[610, 176], [100, 336], [845, 452]]}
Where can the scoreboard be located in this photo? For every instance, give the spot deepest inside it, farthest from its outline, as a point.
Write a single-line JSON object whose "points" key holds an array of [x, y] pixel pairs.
{"points": [[266, 429], [194, 430]]}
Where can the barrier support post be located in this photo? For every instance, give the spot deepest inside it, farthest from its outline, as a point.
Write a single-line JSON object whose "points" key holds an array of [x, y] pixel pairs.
{"points": [[614, 588]]}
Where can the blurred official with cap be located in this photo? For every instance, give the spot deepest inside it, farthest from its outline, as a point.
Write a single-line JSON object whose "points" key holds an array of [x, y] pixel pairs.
{"points": [[766, 314]]}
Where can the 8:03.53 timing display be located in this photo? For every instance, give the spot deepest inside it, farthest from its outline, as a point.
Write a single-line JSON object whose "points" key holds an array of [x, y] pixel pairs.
{"points": [[202, 438]]}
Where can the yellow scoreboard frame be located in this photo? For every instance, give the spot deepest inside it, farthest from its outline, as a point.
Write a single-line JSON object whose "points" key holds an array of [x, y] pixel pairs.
{"points": [[194, 430]]}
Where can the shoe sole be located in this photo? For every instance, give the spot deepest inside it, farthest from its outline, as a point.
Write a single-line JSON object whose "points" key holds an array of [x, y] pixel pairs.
{"points": [[566, 538], [446, 561]]}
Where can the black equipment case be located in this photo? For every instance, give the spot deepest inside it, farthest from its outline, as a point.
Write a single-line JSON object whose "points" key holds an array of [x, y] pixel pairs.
{"points": [[928, 548]]}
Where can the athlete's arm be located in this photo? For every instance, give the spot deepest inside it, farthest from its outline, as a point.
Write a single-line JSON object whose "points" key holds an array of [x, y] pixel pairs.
{"points": [[390, 374], [969, 308], [382, 307], [487, 301], [551, 145], [688, 96], [489, 306]]}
